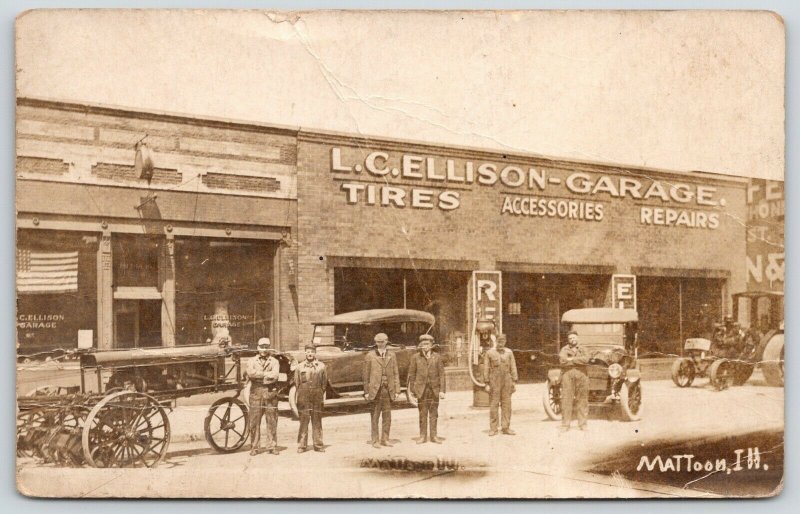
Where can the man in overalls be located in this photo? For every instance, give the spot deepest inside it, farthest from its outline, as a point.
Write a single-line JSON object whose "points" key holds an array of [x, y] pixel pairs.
{"points": [[263, 372], [574, 383], [500, 375], [310, 379]]}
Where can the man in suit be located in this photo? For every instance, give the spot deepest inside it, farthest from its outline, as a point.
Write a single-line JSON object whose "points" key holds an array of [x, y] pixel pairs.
{"points": [[426, 384], [381, 387]]}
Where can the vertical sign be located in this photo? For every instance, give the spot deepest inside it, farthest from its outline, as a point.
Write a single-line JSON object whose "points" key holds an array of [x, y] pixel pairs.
{"points": [[487, 297], [765, 235], [623, 291]]}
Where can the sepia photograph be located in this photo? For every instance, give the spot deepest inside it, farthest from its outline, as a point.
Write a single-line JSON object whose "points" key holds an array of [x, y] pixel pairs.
{"points": [[399, 254]]}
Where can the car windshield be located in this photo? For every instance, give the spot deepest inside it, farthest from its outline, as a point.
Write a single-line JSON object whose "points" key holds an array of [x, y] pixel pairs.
{"points": [[600, 335], [362, 335]]}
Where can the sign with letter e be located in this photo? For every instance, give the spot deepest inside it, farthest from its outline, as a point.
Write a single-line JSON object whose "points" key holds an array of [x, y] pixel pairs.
{"points": [[623, 291]]}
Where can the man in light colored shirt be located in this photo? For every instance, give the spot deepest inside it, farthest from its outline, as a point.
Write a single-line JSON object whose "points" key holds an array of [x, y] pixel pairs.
{"points": [[311, 379]]}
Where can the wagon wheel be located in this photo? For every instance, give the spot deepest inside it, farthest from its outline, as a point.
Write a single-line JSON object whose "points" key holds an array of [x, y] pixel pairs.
{"points": [[721, 374], [683, 372], [225, 425], [551, 400], [126, 429]]}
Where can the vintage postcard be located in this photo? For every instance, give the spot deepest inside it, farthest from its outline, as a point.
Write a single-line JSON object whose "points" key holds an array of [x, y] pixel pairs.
{"points": [[512, 254]]}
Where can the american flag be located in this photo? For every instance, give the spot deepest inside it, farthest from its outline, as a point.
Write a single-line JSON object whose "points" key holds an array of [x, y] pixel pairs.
{"points": [[46, 272]]}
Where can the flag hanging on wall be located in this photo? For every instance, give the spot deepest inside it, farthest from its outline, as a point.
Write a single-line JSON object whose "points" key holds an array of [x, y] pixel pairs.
{"points": [[41, 271]]}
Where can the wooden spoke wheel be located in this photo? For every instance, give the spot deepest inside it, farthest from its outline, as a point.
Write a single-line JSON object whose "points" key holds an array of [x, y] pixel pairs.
{"points": [[630, 400], [683, 372], [721, 374], [551, 400], [126, 429], [225, 425]]}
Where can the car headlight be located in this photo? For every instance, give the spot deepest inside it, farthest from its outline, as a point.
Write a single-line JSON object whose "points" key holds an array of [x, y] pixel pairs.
{"points": [[614, 371]]}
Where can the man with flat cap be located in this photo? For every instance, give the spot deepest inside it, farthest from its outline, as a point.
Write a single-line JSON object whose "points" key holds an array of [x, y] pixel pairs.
{"points": [[574, 383], [500, 375], [381, 387], [426, 384], [310, 379], [263, 372]]}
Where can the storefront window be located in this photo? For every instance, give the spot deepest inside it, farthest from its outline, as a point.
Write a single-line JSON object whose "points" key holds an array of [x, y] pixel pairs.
{"points": [[223, 289], [56, 291]]}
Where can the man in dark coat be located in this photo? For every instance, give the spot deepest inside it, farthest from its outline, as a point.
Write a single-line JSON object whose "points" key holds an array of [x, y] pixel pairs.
{"points": [[310, 378], [426, 384], [500, 375], [381, 387]]}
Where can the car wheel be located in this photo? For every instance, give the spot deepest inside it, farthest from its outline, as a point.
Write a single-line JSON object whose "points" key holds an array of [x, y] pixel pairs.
{"points": [[551, 400], [410, 397], [683, 372], [630, 401], [772, 361], [721, 374]]}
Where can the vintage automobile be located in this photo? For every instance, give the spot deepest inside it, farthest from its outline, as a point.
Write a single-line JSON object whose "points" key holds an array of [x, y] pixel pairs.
{"points": [[343, 340], [609, 336], [733, 351]]}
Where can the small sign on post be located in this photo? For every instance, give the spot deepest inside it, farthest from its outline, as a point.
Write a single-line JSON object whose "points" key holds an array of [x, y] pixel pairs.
{"points": [[623, 291]]}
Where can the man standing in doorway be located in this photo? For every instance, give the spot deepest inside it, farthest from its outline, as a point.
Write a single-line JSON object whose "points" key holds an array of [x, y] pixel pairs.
{"points": [[263, 372], [426, 384], [500, 375], [574, 383], [381, 387], [310, 379]]}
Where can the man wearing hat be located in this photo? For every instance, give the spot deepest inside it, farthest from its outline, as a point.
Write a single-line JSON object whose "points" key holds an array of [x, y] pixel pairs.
{"points": [[574, 383], [381, 387], [426, 384], [310, 379], [263, 372], [500, 375]]}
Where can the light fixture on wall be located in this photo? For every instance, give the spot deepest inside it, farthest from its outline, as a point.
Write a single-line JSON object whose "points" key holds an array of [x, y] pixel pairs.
{"points": [[143, 161]]}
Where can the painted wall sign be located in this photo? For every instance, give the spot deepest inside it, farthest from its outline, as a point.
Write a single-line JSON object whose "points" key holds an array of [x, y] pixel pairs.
{"points": [[428, 182], [765, 235], [623, 291]]}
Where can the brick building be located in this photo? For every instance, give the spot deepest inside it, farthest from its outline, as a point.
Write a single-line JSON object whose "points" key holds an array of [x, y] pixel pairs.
{"points": [[265, 228]]}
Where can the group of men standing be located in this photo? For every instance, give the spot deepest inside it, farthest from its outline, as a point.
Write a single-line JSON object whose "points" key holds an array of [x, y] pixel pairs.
{"points": [[426, 385]]}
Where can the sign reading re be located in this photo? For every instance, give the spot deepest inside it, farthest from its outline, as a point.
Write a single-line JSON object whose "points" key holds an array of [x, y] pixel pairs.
{"points": [[487, 297], [623, 291]]}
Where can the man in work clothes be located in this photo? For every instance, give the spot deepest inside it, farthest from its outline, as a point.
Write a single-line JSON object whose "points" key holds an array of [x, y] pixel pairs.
{"points": [[263, 372], [500, 375], [310, 379], [426, 384], [574, 383], [381, 387]]}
